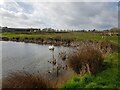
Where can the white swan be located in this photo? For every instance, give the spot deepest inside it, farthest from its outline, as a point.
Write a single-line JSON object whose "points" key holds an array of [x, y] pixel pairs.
{"points": [[51, 47]]}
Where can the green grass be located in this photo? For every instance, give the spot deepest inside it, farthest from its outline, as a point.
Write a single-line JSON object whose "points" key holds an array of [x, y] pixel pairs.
{"points": [[108, 78], [65, 36]]}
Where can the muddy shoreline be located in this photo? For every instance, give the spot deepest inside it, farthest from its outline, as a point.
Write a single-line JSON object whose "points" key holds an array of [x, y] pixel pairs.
{"points": [[49, 41], [105, 46], [56, 42]]}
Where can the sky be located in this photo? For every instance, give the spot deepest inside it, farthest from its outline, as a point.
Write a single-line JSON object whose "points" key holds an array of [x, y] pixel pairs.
{"points": [[80, 15]]}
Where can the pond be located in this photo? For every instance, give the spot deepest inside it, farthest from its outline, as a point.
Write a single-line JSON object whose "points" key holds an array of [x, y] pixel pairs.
{"points": [[28, 57]]}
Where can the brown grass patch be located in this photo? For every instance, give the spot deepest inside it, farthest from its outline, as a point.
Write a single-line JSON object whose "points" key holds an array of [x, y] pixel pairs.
{"points": [[26, 80], [86, 59]]}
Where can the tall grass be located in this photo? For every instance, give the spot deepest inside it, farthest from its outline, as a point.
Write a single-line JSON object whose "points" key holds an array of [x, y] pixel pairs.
{"points": [[25, 80], [107, 78], [86, 59]]}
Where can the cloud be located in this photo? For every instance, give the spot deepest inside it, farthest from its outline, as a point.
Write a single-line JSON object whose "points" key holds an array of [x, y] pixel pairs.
{"points": [[63, 0], [60, 15]]}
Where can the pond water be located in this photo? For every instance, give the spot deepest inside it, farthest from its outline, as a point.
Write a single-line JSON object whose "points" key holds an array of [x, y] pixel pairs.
{"points": [[28, 57]]}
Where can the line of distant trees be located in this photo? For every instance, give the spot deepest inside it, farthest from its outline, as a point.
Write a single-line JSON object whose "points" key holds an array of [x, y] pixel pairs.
{"points": [[51, 30]]}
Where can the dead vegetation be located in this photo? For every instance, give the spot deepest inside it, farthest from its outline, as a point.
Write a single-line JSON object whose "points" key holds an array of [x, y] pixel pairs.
{"points": [[86, 59], [24, 80]]}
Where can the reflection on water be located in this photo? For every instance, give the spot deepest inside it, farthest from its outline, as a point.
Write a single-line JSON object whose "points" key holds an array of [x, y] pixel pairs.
{"points": [[30, 57]]}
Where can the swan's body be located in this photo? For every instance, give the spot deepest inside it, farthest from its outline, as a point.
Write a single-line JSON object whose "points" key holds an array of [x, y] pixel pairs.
{"points": [[51, 47]]}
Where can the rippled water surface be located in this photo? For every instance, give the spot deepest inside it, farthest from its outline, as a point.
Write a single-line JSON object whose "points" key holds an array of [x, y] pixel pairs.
{"points": [[28, 57]]}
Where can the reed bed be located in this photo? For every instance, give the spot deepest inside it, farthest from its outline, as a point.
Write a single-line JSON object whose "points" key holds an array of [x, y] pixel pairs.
{"points": [[25, 81], [86, 59]]}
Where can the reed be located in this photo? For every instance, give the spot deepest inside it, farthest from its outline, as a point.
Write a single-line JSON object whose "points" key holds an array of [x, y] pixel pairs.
{"points": [[86, 59], [24, 80]]}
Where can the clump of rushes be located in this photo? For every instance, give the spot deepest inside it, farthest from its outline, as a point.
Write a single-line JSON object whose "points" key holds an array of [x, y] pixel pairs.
{"points": [[25, 80], [86, 59]]}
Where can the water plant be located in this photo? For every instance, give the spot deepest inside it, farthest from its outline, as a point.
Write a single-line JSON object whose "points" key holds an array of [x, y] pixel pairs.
{"points": [[86, 59], [26, 80]]}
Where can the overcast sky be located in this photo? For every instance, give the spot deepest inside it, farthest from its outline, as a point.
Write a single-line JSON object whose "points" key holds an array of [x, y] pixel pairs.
{"points": [[59, 15]]}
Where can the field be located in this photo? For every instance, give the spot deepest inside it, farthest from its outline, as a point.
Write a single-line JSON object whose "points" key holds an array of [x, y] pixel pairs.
{"points": [[76, 36]]}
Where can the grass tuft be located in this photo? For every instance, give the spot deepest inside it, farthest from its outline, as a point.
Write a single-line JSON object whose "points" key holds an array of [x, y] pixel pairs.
{"points": [[86, 59], [25, 80]]}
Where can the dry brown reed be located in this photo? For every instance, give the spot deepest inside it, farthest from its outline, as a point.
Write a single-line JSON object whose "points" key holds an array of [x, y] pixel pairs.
{"points": [[26, 81], [86, 59]]}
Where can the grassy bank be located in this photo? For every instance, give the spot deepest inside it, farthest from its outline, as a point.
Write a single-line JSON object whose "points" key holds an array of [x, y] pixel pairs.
{"points": [[62, 36], [108, 78]]}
